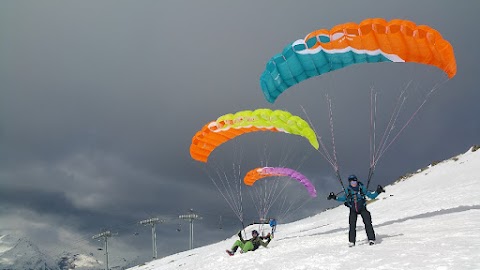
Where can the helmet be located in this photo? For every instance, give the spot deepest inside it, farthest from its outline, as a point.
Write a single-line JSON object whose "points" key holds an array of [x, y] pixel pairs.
{"points": [[254, 232], [352, 178]]}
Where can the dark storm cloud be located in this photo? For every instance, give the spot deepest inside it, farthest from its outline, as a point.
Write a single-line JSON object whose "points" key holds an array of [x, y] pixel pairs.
{"points": [[99, 102]]}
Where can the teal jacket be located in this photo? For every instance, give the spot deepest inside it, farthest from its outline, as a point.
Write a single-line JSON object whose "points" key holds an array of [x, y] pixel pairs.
{"points": [[355, 197]]}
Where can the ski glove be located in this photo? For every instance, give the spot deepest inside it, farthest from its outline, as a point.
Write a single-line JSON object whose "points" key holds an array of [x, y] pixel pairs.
{"points": [[380, 189], [240, 234], [331, 196]]}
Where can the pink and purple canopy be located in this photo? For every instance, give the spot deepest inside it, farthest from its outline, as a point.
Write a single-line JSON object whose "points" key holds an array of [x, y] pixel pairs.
{"points": [[259, 173]]}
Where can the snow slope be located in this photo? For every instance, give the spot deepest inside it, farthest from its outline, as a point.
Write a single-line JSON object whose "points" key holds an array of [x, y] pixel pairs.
{"points": [[429, 220]]}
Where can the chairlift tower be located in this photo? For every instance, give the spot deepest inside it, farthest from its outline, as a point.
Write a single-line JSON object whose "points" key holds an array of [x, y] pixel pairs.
{"points": [[105, 235], [190, 217], [152, 222]]}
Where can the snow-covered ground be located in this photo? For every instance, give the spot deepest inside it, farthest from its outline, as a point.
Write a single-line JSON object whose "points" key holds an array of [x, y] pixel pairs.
{"points": [[430, 220]]}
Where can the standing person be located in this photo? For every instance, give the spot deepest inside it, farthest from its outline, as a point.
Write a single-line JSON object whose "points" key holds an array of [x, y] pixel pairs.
{"points": [[251, 244], [273, 224], [355, 199]]}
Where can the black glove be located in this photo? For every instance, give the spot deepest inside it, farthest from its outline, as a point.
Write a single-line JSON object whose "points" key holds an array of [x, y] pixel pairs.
{"points": [[240, 234], [380, 189], [331, 196]]}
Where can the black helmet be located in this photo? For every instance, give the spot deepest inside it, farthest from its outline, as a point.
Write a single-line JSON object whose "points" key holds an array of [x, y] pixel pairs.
{"points": [[352, 178], [254, 232]]}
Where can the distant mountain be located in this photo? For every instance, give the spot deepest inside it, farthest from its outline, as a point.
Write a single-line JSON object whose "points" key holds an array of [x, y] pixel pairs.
{"points": [[77, 261], [24, 255], [20, 253], [7, 242]]}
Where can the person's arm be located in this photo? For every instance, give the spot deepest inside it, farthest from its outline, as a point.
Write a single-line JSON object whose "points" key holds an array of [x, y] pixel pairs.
{"points": [[265, 244], [241, 238], [373, 194], [265, 237], [342, 198]]}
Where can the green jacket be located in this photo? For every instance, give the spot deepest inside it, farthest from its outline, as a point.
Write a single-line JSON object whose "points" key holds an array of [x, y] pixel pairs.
{"points": [[256, 241]]}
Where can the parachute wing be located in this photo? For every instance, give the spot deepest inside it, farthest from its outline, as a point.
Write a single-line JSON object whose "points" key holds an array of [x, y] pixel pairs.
{"points": [[373, 40], [230, 126], [259, 173]]}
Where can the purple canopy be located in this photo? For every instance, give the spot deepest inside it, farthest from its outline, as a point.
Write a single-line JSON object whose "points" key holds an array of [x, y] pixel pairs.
{"points": [[259, 173]]}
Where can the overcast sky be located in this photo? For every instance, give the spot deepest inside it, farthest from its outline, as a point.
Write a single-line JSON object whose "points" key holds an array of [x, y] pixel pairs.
{"points": [[99, 101]]}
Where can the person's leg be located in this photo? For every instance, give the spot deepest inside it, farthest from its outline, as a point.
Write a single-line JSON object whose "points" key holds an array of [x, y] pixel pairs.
{"points": [[352, 221], [367, 220], [247, 246], [236, 245]]}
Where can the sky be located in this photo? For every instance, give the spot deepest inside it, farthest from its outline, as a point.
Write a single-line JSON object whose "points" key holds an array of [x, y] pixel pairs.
{"points": [[99, 102], [429, 230]]}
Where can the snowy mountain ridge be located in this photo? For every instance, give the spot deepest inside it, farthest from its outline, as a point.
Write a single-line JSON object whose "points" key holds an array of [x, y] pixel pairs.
{"points": [[20, 253], [24, 255], [426, 220]]}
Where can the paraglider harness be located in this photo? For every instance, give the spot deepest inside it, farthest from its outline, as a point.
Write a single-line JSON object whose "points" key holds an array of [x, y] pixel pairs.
{"points": [[352, 197]]}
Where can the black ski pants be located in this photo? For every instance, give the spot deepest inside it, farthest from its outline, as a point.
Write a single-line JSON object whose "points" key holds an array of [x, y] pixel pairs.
{"points": [[367, 220]]}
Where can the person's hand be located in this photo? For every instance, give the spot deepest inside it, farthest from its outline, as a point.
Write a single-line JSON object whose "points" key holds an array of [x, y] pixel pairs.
{"points": [[240, 234], [380, 189], [331, 196]]}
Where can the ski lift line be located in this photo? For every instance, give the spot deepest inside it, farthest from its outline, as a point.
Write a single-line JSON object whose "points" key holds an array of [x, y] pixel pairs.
{"points": [[73, 244], [85, 239]]}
